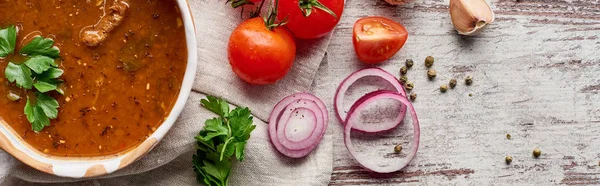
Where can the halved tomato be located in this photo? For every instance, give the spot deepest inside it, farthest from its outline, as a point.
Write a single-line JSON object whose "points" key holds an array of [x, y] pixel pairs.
{"points": [[377, 39]]}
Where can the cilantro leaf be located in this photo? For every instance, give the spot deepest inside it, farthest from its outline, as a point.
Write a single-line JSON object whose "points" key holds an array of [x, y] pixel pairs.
{"points": [[222, 140], [41, 46], [39, 64], [8, 40], [19, 74], [218, 106]]}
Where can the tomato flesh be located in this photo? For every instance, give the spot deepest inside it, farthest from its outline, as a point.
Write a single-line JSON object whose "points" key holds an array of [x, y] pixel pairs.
{"points": [[377, 39], [258, 55]]}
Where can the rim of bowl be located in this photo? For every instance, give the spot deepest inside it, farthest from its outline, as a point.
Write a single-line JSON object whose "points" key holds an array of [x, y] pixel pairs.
{"points": [[83, 167]]}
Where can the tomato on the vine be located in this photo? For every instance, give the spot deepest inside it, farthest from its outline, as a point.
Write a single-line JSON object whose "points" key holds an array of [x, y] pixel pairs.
{"points": [[260, 53], [310, 19], [376, 39]]}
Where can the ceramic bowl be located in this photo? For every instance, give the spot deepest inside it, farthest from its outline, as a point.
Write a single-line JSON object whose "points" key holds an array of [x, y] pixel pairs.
{"points": [[76, 167]]}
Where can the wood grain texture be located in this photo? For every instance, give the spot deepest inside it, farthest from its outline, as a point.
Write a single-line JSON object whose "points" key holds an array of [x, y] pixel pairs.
{"points": [[536, 76]]}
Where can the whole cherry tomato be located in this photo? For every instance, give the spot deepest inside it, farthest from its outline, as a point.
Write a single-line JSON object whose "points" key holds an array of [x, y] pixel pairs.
{"points": [[261, 55], [310, 19]]}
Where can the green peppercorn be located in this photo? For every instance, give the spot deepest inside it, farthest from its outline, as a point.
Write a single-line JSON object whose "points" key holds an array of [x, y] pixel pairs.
{"points": [[507, 136], [443, 88], [409, 86], [431, 74], [537, 152], [403, 79], [470, 95], [452, 83], [413, 96], [429, 61], [398, 148], [508, 159], [469, 80], [409, 63], [403, 70]]}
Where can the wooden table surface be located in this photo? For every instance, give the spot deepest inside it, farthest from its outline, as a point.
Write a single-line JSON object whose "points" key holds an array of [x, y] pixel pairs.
{"points": [[536, 76]]}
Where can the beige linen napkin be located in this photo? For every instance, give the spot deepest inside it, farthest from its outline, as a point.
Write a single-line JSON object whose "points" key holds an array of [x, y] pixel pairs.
{"points": [[170, 162]]}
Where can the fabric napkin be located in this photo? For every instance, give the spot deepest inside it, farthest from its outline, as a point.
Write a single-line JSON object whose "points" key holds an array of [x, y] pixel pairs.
{"points": [[169, 163]]}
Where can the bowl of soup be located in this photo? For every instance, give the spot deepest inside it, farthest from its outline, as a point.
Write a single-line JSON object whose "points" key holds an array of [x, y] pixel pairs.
{"points": [[126, 70]]}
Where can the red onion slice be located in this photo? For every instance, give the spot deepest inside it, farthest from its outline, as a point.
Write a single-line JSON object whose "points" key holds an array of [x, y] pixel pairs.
{"points": [[277, 114], [296, 129], [338, 101], [351, 120], [303, 114]]}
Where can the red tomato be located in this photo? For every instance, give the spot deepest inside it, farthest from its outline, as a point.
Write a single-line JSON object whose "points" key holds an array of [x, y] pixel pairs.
{"points": [[259, 55], [376, 39], [317, 24]]}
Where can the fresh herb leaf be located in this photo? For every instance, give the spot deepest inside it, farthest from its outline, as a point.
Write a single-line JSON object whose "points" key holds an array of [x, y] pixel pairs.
{"points": [[36, 116], [40, 64], [239, 150], [226, 149], [40, 113], [44, 86], [20, 74], [41, 46], [8, 40], [222, 140], [51, 73], [47, 85], [238, 3], [48, 104], [215, 128], [219, 169], [218, 106], [41, 55]]}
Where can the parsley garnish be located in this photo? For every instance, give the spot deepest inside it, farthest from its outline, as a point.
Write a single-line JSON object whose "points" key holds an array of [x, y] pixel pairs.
{"points": [[39, 71], [222, 140], [8, 40], [41, 46]]}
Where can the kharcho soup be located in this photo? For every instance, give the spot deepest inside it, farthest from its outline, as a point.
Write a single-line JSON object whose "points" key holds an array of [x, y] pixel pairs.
{"points": [[122, 64]]}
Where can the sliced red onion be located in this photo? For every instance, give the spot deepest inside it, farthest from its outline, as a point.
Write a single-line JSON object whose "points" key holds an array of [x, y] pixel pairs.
{"points": [[282, 121], [338, 101], [352, 118], [298, 123]]}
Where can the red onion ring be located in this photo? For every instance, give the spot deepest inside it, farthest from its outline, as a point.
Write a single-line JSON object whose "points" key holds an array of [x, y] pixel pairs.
{"points": [[352, 114], [304, 147], [338, 101], [291, 109]]}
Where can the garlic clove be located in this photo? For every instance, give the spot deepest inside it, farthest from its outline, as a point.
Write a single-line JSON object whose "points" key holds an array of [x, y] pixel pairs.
{"points": [[469, 17]]}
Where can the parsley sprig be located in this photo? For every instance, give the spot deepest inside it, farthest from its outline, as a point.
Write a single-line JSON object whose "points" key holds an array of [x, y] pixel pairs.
{"points": [[39, 71], [222, 140]]}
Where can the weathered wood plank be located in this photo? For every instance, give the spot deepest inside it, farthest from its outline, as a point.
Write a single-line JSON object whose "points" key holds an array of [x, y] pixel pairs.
{"points": [[537, 77]]}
